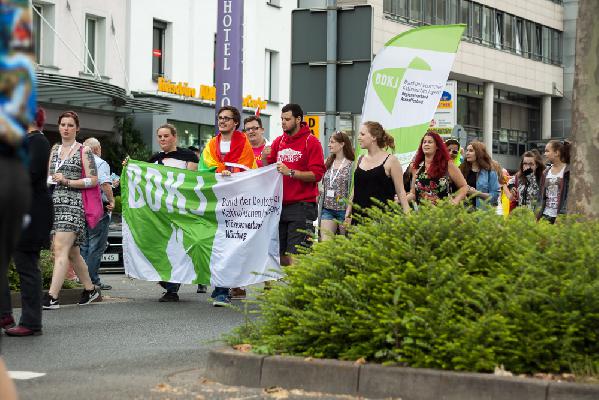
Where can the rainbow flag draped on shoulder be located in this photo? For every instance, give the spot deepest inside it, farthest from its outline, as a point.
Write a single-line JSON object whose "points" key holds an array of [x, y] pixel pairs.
{"points": [[239, 158], [200, 227]]}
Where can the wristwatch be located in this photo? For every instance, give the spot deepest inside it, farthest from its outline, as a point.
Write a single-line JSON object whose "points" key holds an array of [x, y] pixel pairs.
{"points": [[291, 173]]}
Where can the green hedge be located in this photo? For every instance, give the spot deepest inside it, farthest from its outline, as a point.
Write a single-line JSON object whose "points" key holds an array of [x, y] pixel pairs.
{"points": [[441, 288], [46, 265]]}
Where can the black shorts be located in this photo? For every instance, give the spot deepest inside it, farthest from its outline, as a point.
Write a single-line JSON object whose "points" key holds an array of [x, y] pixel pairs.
{"points": [[296, 226]]}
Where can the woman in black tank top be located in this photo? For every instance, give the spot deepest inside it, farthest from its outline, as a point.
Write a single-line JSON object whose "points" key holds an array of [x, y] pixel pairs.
{"points": [[378, 174]]}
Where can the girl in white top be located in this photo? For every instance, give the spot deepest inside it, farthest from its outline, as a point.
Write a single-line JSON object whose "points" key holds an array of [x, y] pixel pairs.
{"points": [[555, 181]]}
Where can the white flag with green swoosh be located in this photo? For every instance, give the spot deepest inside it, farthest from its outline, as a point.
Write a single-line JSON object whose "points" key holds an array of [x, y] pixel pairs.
{"points": [[199, 227], [407, 78]]}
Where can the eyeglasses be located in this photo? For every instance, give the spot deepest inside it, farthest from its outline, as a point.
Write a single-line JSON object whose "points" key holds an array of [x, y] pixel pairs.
{"points": [[224, 118], [251, 128]]}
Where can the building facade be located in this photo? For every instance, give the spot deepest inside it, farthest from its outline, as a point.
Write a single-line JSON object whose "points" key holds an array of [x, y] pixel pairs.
{"points": [[170, 60], [81, 64], [512, 67]]}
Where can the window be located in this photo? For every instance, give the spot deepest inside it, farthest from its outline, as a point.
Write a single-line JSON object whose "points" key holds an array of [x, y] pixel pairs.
{"points": [[416, 10], [508, 32], [402, 8], [90, 43], [519, 32], [441, 12], [498, 29], [538, 42], [95, 44], [192, 134], [37, 33], [158, 39], [487, 26], [477, 22], [452, 12], [546, 45], [429, 11], [465, 16], [271, 75], [556, 47]]}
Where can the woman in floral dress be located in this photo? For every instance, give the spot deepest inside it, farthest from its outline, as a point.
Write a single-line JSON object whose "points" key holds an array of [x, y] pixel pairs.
{"points": [[433, 173]]}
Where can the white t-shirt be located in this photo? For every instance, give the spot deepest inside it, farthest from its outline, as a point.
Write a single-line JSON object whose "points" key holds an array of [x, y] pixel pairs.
{"points": [[225, 147], [552, 185]]}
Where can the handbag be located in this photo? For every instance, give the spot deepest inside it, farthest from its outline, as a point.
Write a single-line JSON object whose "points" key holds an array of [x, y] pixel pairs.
{"points": [[92, 200]]}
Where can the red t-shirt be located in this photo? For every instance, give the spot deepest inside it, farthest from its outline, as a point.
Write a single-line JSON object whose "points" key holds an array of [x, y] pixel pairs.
{"points": [[258, 154], [300, 152]]}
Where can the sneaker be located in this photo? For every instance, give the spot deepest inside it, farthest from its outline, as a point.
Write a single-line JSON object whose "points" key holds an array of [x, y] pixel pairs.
{"points": [[22, 331], [7, 321], [237, 293], [169, 297], [50, 303], [202, 288], [87, 296], [105, 286], [221, 301]]}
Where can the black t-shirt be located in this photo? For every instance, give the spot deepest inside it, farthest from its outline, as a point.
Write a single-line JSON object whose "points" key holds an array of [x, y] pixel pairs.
{"points": [[178, 158], [471, 181]]}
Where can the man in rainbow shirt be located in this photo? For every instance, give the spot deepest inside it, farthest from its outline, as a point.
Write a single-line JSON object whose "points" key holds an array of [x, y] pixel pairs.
{"points": [[229, 152]]}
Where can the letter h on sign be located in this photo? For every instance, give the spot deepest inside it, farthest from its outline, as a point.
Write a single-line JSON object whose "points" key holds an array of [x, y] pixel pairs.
{"points": [[229, 69]]}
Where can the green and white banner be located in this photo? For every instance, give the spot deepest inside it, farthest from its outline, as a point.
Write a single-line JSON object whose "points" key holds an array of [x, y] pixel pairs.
{"points": [[200, 227], [406, 81]]}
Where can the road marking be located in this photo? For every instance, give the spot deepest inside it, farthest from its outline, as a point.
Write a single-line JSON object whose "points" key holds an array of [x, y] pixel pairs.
{"points": [[23, 375]]}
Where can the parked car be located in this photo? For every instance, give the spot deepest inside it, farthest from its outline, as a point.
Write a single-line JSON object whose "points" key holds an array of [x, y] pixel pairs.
{"points": [[112, 259]]}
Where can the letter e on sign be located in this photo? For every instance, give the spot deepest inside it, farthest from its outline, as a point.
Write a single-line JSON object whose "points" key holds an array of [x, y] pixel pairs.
{"points": [[313, 122]]}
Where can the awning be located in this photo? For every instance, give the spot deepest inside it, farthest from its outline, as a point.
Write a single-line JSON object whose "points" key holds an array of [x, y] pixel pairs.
{"points": [[68, 91]]}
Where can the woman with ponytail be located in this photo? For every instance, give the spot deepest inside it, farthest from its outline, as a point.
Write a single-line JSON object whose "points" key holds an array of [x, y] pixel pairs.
{"points": [[555, 181], [378, 174]]}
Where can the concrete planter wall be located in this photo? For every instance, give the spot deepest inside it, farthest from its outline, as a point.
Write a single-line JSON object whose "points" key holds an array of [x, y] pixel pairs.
{"points": [[232, 367]]}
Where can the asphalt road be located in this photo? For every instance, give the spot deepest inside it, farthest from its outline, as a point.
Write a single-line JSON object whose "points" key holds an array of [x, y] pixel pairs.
{"points": [[130, 347]]}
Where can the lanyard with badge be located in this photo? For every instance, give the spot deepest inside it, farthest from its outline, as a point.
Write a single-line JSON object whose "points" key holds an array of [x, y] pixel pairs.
{"points": [[332, 177], [59, 163]]}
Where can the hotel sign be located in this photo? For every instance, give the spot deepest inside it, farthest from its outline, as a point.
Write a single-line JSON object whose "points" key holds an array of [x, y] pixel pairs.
{"points": [[204, 93], [229, 53]]}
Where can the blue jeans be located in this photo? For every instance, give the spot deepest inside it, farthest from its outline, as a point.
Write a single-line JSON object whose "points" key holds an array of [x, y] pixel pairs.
{"points": [[93, 248], [334, 215]]}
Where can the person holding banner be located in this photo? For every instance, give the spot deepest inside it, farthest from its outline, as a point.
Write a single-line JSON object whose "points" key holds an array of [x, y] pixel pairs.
{"points": [[229, 152], [435, 173], [378, 174], [176, 157], [300, 160], [72, 169], [336, 184]]}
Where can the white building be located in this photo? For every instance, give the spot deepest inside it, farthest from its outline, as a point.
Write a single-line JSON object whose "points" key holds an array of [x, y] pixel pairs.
{"points": [[103, 59], [174, 45], [79, 47]]}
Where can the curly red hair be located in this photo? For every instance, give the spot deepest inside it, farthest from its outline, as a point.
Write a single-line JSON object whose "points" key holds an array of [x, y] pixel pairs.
{"points": [[438, 167]]}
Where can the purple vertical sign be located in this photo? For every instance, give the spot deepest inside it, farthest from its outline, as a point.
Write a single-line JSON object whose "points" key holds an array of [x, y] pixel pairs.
{"points": [[229, 54]]}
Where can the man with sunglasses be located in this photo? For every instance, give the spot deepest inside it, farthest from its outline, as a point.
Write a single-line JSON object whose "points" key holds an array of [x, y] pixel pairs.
{"points": [[252, 126], [454, 151]]}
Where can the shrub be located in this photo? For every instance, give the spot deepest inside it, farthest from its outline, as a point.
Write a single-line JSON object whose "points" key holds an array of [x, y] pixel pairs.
{"points": [[441, 288], [46, 265]]}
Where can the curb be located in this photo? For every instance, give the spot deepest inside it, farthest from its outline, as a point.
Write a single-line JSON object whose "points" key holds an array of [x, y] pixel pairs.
{"points": [[67, 296], [231, 367]]}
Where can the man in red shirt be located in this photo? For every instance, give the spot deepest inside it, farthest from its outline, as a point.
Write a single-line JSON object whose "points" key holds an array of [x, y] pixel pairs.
{"points": [[252, 126], [300, 160]]}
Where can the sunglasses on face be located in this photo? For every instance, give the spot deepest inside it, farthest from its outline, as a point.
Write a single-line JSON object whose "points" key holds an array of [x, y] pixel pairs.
{"points": [[454, 152]]}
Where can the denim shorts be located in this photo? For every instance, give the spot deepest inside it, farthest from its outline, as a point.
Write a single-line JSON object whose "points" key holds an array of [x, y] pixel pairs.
{"points": [[335, 215]]}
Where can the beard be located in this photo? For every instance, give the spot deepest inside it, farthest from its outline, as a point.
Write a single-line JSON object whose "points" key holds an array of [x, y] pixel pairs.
{"points": [[291, 129]]}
